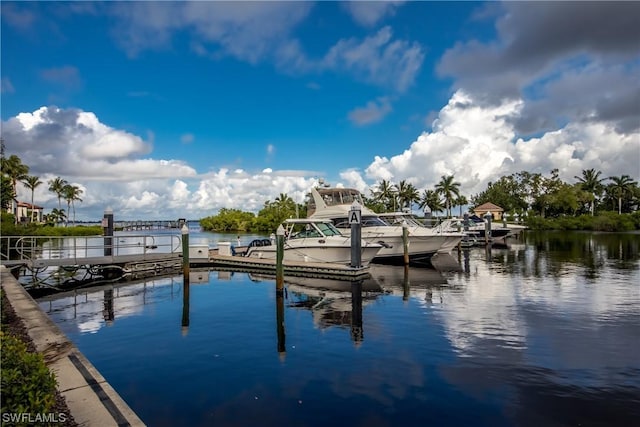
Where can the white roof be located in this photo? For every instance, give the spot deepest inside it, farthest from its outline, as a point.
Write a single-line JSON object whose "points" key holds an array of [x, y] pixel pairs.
{"points": [[304, 220]]}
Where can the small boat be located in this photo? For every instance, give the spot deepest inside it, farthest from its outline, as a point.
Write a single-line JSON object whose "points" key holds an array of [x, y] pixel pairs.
{"points": [[311, 241]]}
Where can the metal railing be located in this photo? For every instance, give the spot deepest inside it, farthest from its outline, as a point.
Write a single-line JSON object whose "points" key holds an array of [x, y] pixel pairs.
{"points": [[29, 248]]}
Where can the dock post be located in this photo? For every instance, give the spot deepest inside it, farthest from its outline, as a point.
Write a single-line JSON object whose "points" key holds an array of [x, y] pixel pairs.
{"points": [[355, 216], [185, 251], [107, 230], [487, 227], [405, 242], [465, 227], [279, 259]]}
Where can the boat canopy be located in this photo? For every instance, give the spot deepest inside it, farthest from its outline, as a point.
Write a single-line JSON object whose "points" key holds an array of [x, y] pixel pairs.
{"points": [[335, 197]]}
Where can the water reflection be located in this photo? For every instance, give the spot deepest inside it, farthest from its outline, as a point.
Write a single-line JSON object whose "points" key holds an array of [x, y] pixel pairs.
{"points": [[88, 310], [522, 335], [185, 305], [333, 302], [280, 327]]}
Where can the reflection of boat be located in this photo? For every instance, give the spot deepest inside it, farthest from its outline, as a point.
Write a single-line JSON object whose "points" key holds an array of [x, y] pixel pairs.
{"points": [[446, 262], [423, 284], [319, 285], [331, 302], [395, 276], [312, 240], [335, 204]]}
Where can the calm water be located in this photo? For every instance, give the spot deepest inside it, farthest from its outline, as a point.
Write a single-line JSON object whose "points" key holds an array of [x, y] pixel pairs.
{"points": [[545, 332]]}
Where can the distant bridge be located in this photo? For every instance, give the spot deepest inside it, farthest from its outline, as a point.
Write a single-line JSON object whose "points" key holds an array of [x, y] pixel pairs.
{"points": [[148, 225]]}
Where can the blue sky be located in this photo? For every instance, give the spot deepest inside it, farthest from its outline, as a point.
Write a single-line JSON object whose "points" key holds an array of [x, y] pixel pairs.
{"points": [[163, 110]]}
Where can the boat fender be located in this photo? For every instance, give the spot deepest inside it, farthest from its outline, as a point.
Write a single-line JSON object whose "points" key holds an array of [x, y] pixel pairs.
{"points": [[384, 245]]}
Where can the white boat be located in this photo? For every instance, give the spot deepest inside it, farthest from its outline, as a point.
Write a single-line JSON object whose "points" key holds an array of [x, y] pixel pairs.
{"points": [[476, 227], [452, 237], [313, 241], [335, 203]]}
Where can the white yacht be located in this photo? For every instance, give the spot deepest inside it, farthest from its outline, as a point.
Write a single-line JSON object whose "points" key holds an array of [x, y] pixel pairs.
{"points": [[312, 240], [451, 241], [476, 228], [335, 204]]}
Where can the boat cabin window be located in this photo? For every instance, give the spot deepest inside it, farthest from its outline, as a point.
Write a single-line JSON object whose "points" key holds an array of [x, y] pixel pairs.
{"points": [[341, 196], [367, 221], [399, 218], [303, 231], [328, 229]]}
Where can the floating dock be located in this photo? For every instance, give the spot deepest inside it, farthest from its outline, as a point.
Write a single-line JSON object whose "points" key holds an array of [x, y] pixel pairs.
{"points": [[291, 268]]}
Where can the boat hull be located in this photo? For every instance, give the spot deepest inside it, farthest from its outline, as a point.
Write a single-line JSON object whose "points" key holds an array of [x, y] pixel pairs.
{"points": [[319, 253]]}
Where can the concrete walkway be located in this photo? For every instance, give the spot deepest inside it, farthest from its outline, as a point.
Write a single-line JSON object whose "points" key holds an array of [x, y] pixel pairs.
{"points": [[90, 398]]}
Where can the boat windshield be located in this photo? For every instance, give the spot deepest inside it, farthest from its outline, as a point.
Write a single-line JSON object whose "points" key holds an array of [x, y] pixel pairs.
{"points": [[302, 231], [328, 229], [315, 229], [340, 196]]}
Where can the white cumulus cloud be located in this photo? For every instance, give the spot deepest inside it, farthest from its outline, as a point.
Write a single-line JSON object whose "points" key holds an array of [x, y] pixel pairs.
{"points": [[478, 143]]}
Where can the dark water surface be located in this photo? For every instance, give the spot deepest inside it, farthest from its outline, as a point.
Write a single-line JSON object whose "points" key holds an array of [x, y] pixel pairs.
{"points": [[544, 332]]}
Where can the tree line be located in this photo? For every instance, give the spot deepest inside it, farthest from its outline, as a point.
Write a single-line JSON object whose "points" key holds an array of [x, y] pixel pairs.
{"points": [[528, 195], [14, 172]]}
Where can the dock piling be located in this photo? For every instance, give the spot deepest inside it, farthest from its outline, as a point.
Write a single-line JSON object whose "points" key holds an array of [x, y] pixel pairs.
{"points": [[487, 228], [107, 227], [355, 216], [185, 251], [279, 259], [405, 242]]}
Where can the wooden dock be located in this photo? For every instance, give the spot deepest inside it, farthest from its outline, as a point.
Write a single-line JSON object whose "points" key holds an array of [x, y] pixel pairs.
{"points": [[291, 268]]}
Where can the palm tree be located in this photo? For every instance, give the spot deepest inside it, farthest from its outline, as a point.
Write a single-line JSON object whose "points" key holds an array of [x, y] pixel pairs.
{"points": [[72, 193], [622, 186], [16, 171], [591, 182], [385, 193], [56, 186], [449, 189], [285, 204], [407, 194], [57, 215], [461, 201], [32, 182], [432, 200]]}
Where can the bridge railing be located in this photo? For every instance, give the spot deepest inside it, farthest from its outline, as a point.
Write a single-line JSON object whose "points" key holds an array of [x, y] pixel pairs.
{"points": [[28, 248]]}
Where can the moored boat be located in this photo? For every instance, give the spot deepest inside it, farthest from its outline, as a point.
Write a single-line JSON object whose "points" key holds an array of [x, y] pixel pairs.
{"points": [[335, 203], [312, 241]]}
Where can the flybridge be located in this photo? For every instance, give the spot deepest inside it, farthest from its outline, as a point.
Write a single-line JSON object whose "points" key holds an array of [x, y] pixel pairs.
{"points": [[333, 197]]}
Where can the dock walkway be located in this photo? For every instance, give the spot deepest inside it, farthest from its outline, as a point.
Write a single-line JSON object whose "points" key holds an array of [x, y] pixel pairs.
{"points": [[291, 268]]}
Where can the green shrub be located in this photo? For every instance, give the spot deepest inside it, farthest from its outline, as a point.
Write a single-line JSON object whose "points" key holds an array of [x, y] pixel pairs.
{"points": [[27, 384], [604, 221]]}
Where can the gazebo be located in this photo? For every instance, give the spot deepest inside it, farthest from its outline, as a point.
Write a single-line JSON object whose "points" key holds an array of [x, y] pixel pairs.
{"points": [[495, 210]]}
